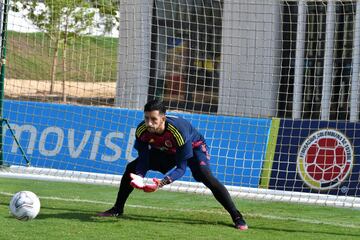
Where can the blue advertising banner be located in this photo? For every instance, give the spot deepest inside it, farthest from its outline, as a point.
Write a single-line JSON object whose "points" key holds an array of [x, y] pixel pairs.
{"points": [[317, 156], [100, 140]]}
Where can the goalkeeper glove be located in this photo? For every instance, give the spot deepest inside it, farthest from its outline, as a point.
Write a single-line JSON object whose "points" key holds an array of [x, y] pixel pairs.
{"points": [[137, 181], [156, 185], [152, 187]]}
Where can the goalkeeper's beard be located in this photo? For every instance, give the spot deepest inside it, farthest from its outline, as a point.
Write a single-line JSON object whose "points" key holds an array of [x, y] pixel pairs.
{"points": [[151, 129], [158, 130]]}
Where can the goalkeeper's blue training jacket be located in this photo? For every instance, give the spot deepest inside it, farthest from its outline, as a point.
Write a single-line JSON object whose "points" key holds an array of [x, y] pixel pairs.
{"points": [[179, 139]]}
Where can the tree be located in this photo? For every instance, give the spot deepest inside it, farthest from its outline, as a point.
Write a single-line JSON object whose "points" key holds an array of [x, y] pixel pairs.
{"points": [[108, 10], [63, 20]]}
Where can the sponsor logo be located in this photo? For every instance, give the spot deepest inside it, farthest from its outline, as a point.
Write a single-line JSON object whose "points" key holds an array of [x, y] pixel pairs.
{"points": [[168, 144], [164, 149], [325, 159], [55, 141]]}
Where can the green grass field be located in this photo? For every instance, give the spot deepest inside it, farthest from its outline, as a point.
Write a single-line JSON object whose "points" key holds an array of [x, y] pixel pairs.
{"points": [[68, 212], [89, 59]]}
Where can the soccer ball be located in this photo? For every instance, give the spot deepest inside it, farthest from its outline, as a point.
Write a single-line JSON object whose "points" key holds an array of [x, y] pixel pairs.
{"points": [[25, 205]]}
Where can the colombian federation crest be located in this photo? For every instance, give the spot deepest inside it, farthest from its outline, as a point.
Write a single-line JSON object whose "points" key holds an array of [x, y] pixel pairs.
{"points": [[325, 159]]}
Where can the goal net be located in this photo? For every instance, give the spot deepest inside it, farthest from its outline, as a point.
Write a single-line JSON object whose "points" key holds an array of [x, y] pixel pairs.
{"points": [[273, 86]]}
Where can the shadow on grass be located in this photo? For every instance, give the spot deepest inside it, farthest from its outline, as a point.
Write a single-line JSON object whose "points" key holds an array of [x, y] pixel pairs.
{"points": [[91, 217], [172, 219]]}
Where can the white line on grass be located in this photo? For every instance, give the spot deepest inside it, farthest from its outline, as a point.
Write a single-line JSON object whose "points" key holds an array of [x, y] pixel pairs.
{"points": [[271, 217]]}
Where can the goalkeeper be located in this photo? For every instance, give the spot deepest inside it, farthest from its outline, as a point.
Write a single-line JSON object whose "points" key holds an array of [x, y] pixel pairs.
{"points": [[169, 144]]}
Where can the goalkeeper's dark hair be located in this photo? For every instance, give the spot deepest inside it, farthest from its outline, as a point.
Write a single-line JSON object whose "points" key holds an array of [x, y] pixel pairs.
{"points": [[155, 105]]}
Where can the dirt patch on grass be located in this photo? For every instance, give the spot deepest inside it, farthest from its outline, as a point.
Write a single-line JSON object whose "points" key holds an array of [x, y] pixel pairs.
{"points": [[93, 93]]}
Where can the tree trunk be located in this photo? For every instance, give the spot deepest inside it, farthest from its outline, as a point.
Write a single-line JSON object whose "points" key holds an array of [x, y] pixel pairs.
{"points": [[54, 65], [64, 59], [64, 70]]}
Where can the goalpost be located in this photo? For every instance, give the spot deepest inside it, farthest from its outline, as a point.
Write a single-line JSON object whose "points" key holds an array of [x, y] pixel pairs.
{"points": [[273, 86]]}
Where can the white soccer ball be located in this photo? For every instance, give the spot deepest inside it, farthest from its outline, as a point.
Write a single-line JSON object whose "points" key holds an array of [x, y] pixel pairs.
{"points": [[25, 205]]}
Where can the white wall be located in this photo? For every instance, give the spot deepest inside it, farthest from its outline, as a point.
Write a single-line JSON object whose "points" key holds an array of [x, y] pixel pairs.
{"points": [[250, 61], [134, 53]]}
